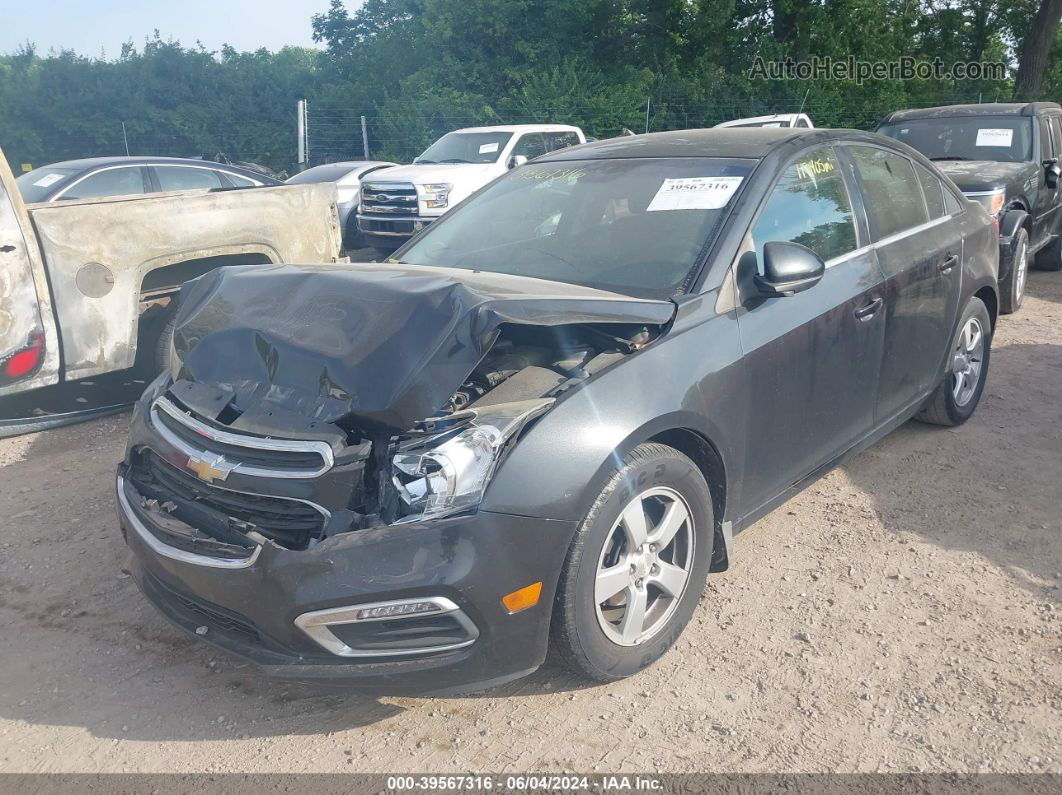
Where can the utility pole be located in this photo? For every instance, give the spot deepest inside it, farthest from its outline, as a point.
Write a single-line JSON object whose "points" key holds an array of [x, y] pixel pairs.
{"points": [[302, 133], [647, 113], [364, 138]]}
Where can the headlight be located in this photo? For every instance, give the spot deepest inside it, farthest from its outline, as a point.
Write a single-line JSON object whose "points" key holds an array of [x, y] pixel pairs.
{"points": [[437, 195], [450, 470], [991, 200]]}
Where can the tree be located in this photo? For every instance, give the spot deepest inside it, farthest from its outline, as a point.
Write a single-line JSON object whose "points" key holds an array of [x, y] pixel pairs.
{"points": [[1036, 49]]}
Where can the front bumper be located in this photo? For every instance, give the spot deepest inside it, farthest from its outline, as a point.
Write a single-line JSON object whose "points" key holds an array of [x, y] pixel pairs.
{"points": [[250, 606], [391, 231]]}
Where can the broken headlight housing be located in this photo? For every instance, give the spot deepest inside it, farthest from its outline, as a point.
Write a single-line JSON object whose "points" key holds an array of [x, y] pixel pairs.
{"points": [[448, 471]]}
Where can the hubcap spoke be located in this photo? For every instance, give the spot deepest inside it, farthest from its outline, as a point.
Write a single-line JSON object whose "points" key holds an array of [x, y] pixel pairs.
{"points": [[674, 518], [634, 616], [634, 523], [671, 579], [611, 581]]}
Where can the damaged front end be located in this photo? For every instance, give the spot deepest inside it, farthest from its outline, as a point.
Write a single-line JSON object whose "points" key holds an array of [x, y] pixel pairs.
{"points": [[316, 413]]}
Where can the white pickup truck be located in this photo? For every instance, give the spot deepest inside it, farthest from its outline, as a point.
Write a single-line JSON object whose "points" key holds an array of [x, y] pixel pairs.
{"points": [[402, 201], [87, 284]]}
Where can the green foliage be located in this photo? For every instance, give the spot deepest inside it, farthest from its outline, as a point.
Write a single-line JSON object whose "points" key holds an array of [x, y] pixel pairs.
{"points": [[418, 68]]}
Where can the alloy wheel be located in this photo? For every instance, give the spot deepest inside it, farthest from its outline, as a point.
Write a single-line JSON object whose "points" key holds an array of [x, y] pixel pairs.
{"points": [[644, 566], [1021, 262], [967, 361]]}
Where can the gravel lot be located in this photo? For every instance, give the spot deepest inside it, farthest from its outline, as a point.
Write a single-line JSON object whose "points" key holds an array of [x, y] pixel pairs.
{"points": [[901, 614]]}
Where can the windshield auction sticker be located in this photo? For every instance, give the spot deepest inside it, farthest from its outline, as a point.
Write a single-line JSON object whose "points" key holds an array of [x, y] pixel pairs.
{"points": [[486, 149], [694, 193], [993, 137]]}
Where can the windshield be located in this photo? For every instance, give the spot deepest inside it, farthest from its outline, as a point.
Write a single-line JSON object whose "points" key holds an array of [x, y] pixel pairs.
{"points": [[461, 147], [328, 173], [39, 184], [1007, 139], [632, 226]]}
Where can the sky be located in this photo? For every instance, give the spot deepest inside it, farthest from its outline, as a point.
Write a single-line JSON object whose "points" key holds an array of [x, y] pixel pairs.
{"points": [[92, 26]]}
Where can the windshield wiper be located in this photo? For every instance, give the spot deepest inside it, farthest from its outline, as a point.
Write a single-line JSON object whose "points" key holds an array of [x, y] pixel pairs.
{"points": [[455, 160], [418, 162], [950, 157]]}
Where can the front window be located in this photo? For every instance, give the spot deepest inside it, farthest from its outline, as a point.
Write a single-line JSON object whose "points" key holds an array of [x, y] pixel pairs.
{"points": [[809, 206], [466, 147], [128, 181], [1007, 139], [632, 226]]}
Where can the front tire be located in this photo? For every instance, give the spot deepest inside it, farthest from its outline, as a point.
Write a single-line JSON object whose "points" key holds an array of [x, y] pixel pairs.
{"points": [[1012, 289], [956, 397], [636, 567]]}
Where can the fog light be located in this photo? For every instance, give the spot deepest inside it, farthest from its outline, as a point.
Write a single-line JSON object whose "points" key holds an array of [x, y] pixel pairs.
{"points": [[524, 598], [395, 610]]}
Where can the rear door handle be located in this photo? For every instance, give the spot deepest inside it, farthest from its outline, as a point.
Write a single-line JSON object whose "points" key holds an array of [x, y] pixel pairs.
{"points": [[868, 310], [5, 249], [949, 262]]}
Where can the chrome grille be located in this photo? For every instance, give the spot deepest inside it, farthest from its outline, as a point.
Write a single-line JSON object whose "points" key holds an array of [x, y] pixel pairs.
{"points": [[389, 198], [237, 452]]}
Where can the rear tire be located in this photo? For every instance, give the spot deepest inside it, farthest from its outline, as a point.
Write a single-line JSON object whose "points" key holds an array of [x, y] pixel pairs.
{"points": [[956, 397], [1012, 289], [1049, 258], [658, 569]]}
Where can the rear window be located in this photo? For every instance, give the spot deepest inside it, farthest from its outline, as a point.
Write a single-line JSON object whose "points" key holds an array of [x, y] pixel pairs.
{"points": [[187, 178], [38, 185], [889, 183], [933, 190]]}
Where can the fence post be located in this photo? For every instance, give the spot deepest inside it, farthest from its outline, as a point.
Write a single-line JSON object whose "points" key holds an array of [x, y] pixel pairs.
{"points": [[302, 131], [364, 138]]}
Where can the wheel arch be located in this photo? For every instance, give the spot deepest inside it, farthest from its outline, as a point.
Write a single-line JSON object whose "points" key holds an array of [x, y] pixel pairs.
{"points": [[991, 301]]}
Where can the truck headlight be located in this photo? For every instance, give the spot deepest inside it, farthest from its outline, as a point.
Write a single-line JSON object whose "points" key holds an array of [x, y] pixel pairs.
{"points": [[437, 195], [991, 200], [449, 471]]}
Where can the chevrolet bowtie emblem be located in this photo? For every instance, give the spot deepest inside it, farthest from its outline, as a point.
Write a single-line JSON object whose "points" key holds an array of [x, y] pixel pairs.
{"points": [[210, 469]]}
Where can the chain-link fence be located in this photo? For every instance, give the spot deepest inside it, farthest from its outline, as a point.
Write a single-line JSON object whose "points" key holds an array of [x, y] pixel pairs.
{"points": [[403, 132]]}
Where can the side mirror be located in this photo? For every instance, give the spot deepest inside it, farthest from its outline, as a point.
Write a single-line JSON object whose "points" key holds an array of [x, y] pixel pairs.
{"points": [[517, 160], [788, 268], [1053, 172]]}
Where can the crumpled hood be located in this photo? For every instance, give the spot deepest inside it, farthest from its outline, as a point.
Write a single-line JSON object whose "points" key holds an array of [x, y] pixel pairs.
{"points": [[975, 175], [387, 344]]}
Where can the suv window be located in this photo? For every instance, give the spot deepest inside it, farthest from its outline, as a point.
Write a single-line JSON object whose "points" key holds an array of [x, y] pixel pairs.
{"points": [[124, 181], [809, 205], [187, 178], [933, 190], [1056, 133], [800, 123], [889, 182], [1047, 146], [530, 146], [560, 140]]}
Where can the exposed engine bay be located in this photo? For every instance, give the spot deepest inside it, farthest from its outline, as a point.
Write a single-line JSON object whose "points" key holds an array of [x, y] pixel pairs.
{"points": [[292, 415]]}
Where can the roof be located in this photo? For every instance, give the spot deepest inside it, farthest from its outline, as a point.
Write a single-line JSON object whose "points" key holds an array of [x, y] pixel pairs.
{"points": [[519, 128], [88, 163], [985, 109], [731, 142]]}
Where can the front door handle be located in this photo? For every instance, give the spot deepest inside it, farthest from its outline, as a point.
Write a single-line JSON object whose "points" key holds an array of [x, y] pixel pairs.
{"points": [[949, 262], [869, 309], [5, 249]]}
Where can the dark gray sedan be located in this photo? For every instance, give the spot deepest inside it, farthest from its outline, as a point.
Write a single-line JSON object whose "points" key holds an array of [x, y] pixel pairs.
{"points": [[545, 419], [95, 177]]}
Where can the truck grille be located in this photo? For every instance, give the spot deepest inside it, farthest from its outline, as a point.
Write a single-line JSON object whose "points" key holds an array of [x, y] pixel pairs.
{"points": [[220, 512], [389, 198]]}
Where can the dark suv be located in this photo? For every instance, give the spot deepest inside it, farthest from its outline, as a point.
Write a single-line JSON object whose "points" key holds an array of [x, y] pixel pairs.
{"points": [[1005, 156]]}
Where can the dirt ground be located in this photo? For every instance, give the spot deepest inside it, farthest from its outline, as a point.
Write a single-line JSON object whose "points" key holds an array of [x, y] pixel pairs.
{"points": [[901, 614]]}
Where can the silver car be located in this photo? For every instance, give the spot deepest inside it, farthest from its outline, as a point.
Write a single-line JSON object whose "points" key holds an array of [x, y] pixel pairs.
{"points": [[347, 176]]}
